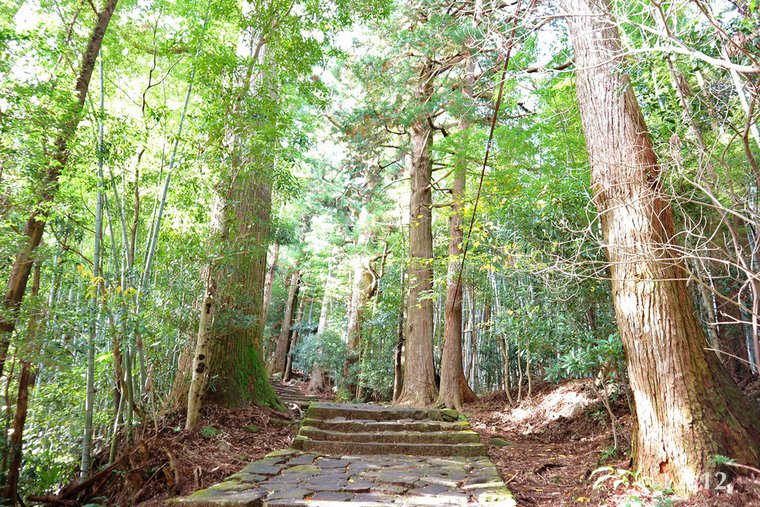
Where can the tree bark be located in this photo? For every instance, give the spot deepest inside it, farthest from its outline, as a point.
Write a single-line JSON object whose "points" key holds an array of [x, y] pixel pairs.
{"points": [[294, 340], [419, 370], [15, 444], [200, 370], [35, 225], [25, 385], [454, 387], [236, 361], [688, 409], [360, 295], [318, 381], [279, 361], [268, 283]]}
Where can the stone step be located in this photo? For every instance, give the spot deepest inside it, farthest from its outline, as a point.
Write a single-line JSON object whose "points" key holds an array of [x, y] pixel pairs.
{"points": [[298, 394], [295, 397], [295, 400], [368, 411], [292, 395], [370, 426], [286, 388], [370, 449], [400, 437]]}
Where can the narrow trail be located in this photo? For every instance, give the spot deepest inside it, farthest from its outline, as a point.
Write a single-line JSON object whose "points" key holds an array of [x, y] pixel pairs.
{"points": [[368, 455]]}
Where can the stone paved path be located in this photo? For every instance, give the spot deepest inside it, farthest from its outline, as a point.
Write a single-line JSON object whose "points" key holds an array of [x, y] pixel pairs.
{"points": [[368, 455]]}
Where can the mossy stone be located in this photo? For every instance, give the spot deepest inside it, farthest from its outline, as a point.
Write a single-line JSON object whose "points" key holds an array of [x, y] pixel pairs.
{"points": [[231, 486], [204, 494], [303, 469], [500, 442], [251, 428], [449, 414], [281, 453]]}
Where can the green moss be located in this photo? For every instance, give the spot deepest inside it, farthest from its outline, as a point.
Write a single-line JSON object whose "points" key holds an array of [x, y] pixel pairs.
{"points": [[312, 469], [251, 428], [206, 493], [449, 414], [500, 442], [231, 486], [280, 453], [209, 432]]}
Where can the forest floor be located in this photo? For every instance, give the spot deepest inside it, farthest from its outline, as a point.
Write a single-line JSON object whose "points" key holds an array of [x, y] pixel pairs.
{"points": [[551, 450], [548, 449], [174, 462]]}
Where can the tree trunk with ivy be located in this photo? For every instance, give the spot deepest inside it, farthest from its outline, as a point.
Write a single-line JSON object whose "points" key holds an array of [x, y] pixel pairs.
{"points": [[419, 370], [454, 389], [360, 296], [688, 408], [280, 359], [235, 359]]}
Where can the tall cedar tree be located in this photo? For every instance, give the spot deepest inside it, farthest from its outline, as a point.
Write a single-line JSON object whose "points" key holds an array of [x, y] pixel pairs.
{"points": [[419, 370], [688, 409]]}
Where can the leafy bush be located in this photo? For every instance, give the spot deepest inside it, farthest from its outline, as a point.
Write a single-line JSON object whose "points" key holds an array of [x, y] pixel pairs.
{"points": [[326, 350], [601, 353]]}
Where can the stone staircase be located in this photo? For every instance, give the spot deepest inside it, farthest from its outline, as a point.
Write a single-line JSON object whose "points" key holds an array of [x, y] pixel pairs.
{"points": [[291, 395], [364, 429], [367, 456]]}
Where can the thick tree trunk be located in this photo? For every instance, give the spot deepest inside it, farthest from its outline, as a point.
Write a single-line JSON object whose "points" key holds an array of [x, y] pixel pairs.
{"points": [[280, 359], [687, 407], [236, 361], [419, 370], [35, 225], [318, 381], [454, 388]]}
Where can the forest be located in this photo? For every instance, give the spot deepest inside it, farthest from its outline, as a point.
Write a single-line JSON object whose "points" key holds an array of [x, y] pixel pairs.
{"points": [[440, 203]]}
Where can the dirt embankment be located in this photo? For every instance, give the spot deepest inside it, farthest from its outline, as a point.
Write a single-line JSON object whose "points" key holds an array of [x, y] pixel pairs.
{"points": [[553, 448]]}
